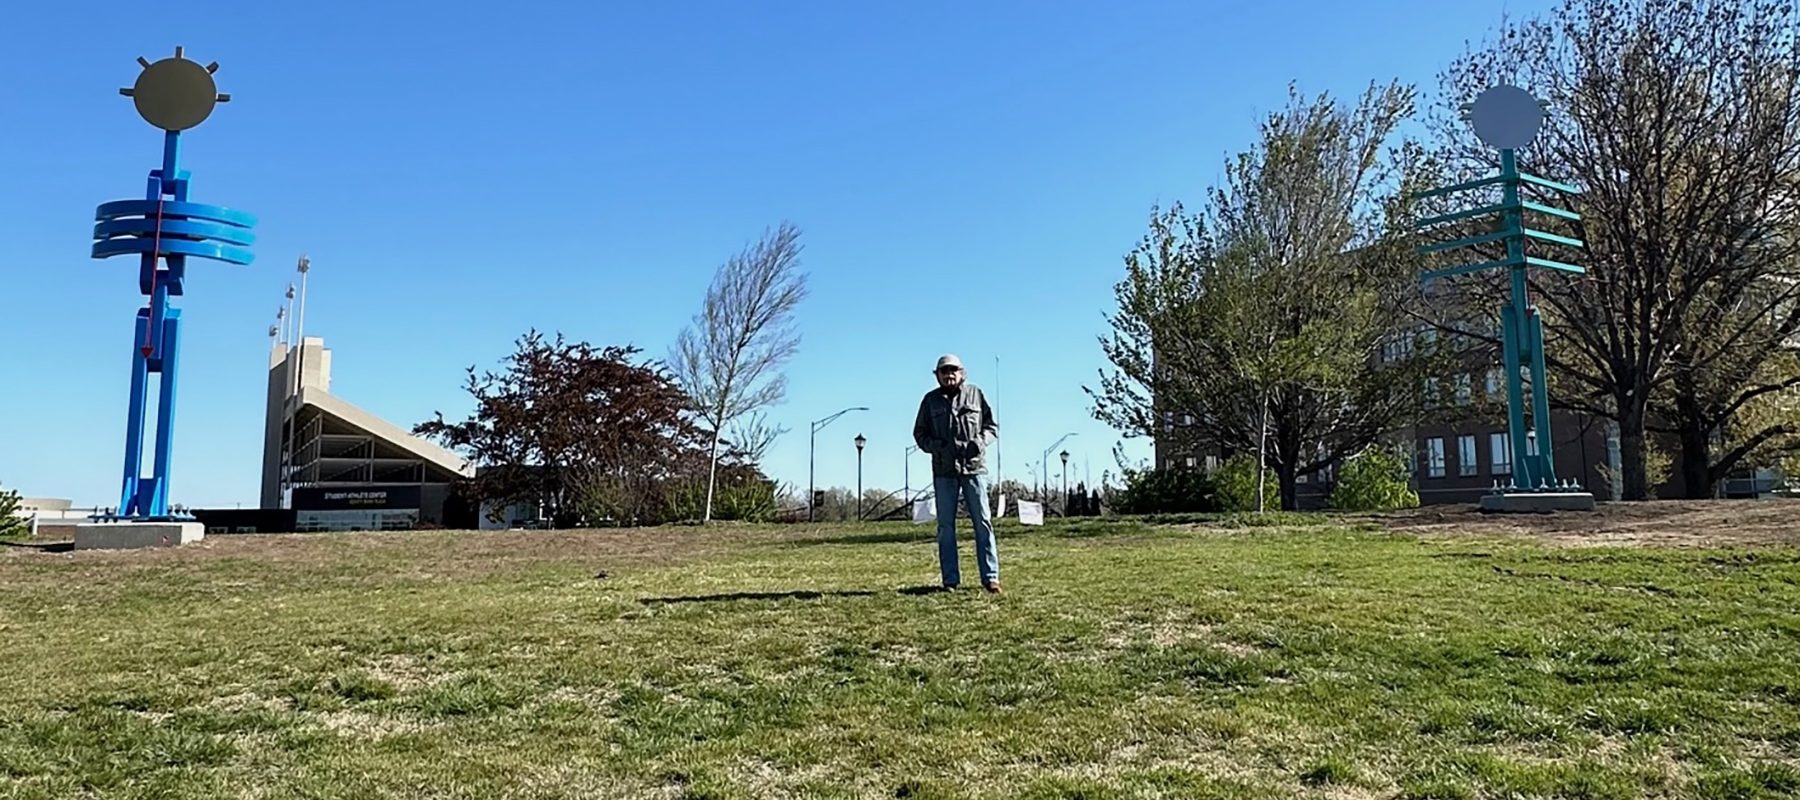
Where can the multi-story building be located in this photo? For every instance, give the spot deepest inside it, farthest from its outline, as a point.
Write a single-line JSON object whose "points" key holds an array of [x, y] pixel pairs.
{"points": [[338, 467], [1462, 449]]}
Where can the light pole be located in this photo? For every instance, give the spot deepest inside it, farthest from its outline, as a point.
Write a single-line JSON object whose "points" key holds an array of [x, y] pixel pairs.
{"points": [[298, 365], [860, 441], [286, 317], [1045, 461], [812, 445], [1065, 460]]}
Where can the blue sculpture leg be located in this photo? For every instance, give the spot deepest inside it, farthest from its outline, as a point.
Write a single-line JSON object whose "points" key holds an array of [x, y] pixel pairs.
{"points": [[134, 421], [165, 412]]}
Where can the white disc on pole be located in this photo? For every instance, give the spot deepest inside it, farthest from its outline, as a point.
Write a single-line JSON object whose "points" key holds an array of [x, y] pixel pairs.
{"points": [[1506, 117]]}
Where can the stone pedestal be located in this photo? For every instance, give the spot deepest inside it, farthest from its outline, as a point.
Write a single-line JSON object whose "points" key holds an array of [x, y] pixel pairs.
{"points": [[129, 535], [1537, 502]]}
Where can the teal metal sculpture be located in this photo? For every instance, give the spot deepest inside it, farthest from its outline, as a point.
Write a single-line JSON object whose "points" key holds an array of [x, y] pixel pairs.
{"points": [[1508, 118]]}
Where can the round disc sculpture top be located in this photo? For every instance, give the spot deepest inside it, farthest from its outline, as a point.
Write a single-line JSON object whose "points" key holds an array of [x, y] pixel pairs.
{"points": [[1506, 117], [175, 94]]}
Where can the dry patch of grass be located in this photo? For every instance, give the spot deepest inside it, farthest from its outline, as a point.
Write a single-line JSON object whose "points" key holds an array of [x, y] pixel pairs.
{"points": [[1663, 523]]}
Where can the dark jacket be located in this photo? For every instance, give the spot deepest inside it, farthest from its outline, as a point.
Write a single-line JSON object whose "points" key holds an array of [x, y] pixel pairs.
{"points": [[955, 428]]}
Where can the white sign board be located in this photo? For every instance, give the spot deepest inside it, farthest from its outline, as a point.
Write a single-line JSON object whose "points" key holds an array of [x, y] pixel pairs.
{"points": [[1031, 513], [924, 511]]}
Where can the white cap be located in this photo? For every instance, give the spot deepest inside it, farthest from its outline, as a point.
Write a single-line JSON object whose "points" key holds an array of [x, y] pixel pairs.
{"points": [[949, 360]]}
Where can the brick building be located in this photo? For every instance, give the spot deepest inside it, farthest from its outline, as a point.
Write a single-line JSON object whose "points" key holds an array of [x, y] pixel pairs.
{"points": [[1462, 448]]}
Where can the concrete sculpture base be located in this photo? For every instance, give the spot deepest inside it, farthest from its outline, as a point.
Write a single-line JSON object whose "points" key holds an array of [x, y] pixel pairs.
{"points": [[1537, 502], [130, 535]]}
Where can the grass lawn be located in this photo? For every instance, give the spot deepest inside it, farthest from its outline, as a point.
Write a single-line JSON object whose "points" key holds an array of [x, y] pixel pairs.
{"points": [[1313, 658]]}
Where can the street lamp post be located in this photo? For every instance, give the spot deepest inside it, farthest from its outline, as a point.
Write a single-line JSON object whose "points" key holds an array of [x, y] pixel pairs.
{"points": [[811, 447], [1065, 492], [1044, 461], [860, 441]]}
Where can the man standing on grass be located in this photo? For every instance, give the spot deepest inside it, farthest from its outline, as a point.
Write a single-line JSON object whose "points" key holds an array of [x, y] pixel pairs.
{"points": [[955, 425]]}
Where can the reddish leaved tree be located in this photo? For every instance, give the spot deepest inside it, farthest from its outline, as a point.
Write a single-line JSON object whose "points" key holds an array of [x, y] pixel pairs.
{"points": [[594, 434]]}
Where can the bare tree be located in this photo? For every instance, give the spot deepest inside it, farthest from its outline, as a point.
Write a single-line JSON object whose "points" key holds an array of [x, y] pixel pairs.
{"points": [[729, 359], [751, 437], [1680, 121]]}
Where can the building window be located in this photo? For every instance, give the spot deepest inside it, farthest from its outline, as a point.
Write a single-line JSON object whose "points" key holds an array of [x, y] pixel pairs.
{"points": [[1431, 392], [1187, 419], [1467, 463], [1192, 462], [1462, 390], [1500, 453], [1494, 389], [1396, 349], [1428, 339], [1434, 457]]}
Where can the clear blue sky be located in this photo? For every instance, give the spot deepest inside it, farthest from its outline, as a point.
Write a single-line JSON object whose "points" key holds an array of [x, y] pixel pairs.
{"points": [[967, 176]]}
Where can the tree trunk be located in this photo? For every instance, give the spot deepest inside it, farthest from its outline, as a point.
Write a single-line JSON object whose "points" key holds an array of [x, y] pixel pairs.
{"points": [[712, 475], [1696, 463], [1262, 452], [1634, 465], [1288, 475], [1695, 453]]}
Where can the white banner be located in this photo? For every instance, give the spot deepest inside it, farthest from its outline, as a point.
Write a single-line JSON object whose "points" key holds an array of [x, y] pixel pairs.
{"points": [[924, 511], [1031, 513]]}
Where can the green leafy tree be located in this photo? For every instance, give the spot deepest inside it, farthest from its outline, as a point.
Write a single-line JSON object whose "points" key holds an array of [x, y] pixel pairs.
{"points": [[1237, 482], [1175, 490], [1764, 433], [1261, 319], [1377, 479], [11, 523]]}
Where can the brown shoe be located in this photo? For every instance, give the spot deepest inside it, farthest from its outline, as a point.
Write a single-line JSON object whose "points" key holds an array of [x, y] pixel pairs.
{"points": [[993, 587]]}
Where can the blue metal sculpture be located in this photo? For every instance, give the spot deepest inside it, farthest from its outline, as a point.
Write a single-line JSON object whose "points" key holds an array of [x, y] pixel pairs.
{"points": [[1508, 118], [164, 230]]}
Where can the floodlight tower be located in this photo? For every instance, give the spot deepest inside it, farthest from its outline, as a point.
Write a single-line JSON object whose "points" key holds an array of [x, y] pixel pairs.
{"points": [[1508, 118], [163, 230]]}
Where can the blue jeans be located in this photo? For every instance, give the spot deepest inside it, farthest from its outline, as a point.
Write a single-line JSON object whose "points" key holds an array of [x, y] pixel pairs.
{"points": [[975, 500]]}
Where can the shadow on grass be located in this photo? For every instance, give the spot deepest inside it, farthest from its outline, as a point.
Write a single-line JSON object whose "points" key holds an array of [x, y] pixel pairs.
{"points": [[921, 591], [42, 547], [800, 594], [879, 537], [1076, 528]]}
